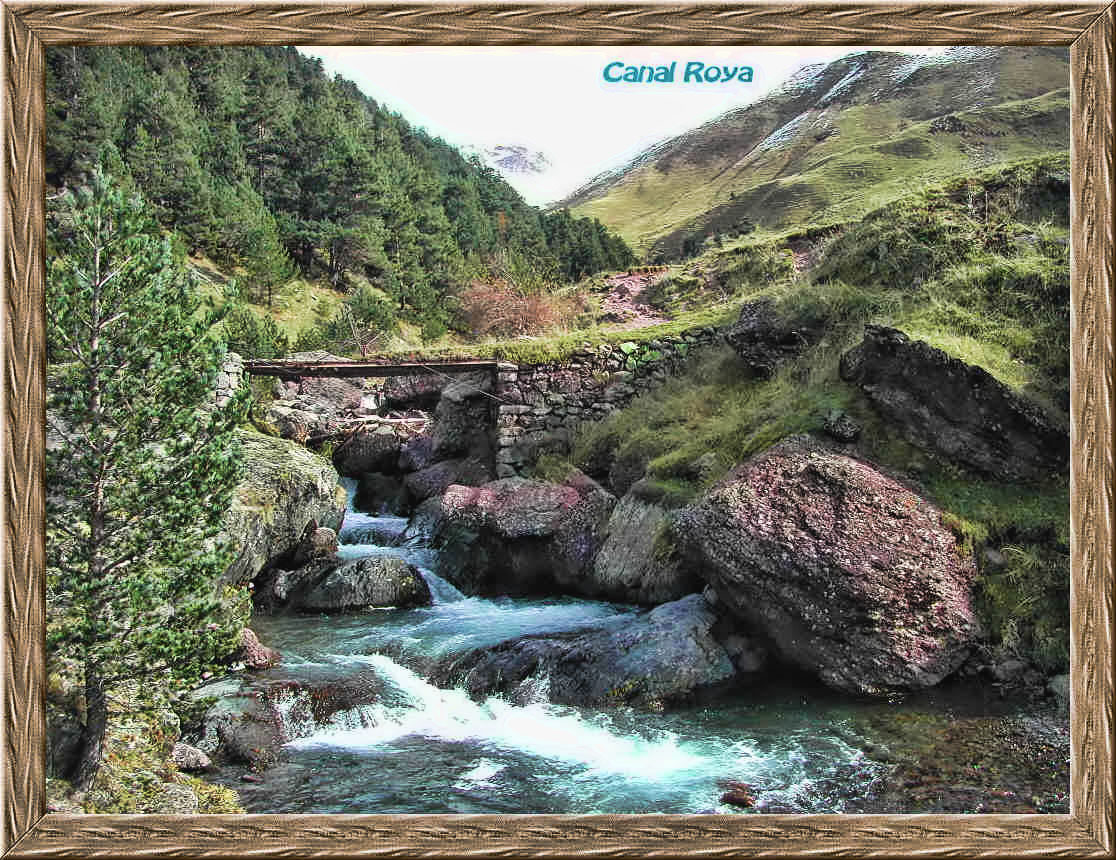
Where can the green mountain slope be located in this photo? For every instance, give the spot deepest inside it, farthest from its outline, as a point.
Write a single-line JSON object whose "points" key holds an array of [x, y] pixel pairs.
{"points": [[836, 141]]}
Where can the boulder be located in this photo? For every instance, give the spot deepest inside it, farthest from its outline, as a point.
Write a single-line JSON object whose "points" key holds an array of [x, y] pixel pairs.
{"points": [[377, 580], [322, 542], [840, 427], [298, 420], [434, 480], [425, 526], [849, 574], [368, 451], [255, 715], [958, 410], [283, 487], [463, 418], [637, 562], [416, 453], [317, 542], [413, 392], [253, 653], [764, 340], [190, 759], [518, 536], [654, 659], [335, 395], [314, 406], [338, 585]]}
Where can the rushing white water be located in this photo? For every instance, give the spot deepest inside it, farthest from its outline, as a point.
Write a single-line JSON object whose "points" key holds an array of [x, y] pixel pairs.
{"points": [[418, 748], [543, 731]]}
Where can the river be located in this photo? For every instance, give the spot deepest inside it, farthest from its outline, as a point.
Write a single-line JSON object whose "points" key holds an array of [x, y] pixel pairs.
{"points": [[421, 749]]}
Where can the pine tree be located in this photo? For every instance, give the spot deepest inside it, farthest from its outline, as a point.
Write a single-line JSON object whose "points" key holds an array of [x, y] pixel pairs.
{"points": [[139, 470]]}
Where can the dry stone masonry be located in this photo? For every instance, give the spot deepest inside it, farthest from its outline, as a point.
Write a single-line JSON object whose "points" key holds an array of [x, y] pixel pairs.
{"points": [[229, 379], [541, 404]]}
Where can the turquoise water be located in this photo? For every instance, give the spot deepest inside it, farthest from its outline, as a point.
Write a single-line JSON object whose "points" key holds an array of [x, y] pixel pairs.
{"points": [[420, 749]]}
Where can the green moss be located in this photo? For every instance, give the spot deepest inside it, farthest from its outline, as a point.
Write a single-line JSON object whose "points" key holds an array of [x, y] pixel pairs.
{"points": [[714, 408], [559, 347], [135, 772], [1025, 603], [552, 468], [213, 799], [663, 544]]}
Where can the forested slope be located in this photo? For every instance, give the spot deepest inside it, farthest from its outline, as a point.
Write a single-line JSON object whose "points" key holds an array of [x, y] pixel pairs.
{"points": [[261, 162]]}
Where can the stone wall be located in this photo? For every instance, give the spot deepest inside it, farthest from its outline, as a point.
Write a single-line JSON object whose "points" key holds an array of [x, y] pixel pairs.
{"points": [[229, 379], [542, 404]]}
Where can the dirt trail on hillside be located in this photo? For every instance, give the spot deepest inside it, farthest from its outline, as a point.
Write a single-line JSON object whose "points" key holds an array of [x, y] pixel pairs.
{"points": [[624, 306]]}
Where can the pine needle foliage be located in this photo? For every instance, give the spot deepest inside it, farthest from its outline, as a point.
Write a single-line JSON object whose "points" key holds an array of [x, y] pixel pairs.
{"points": [[140, 467]]}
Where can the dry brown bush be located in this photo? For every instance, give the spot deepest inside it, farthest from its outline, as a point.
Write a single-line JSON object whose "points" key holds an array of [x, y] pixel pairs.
{"points": [[499, 309]]}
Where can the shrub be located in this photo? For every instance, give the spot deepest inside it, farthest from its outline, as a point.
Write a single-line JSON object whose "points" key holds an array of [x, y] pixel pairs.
{"points": [[253, 336], [499, 309]]}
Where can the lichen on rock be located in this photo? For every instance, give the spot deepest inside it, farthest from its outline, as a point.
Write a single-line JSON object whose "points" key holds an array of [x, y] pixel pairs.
{"points": [[849, 573]]}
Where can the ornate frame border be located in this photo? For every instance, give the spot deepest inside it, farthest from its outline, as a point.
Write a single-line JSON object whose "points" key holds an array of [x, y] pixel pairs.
{"points": [[1089, 27]]}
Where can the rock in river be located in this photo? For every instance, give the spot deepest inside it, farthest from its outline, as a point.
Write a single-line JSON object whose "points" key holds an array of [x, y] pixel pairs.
{"points": [[517, 536], [373, 581], [335, 585], [283, 487], [660, 657], [849, 573], [435, 479], [253, 716], [637, 562]]}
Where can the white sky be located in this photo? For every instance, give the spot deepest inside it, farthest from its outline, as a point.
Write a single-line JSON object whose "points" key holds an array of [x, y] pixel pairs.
{"points": [[555, 100]]}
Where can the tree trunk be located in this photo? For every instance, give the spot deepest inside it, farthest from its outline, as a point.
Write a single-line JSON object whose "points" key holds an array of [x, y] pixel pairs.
{"points": [[93, 732]]}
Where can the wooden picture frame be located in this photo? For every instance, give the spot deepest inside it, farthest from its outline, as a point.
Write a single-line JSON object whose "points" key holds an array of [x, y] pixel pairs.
{"points": [[1088, 27]]}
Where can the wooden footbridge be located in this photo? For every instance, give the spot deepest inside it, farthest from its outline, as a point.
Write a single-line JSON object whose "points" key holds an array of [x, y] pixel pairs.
{"points": [[292, 370]]}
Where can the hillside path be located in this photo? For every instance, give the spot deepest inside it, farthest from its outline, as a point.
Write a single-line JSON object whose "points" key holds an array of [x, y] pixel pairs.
{"points": [[623, 305]]}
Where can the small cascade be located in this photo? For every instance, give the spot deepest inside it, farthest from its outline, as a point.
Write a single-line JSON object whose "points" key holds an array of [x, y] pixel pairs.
{"points": [[358, 527], [614, 761], [441, 590], [543, 731], [418, 748]]}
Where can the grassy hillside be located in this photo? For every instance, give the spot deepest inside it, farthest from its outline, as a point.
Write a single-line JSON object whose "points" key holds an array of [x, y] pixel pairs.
{"points": [[979, 268], [836, 142]]}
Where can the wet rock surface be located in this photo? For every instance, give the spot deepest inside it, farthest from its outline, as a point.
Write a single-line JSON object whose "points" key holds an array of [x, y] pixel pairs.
{"points": [[253, 653], [372, 581], [335, 585], [253, 716], [664, 656], [435, 479], [954, 409], [637, 562], [517, 536], [850, 574]]}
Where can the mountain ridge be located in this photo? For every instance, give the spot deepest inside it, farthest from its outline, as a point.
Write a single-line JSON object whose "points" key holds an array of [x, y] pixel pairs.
{"points": [[828, 113]]}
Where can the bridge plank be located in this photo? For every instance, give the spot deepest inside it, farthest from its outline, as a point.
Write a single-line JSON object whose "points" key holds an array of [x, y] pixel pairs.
{"points": [[373, 368]]}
